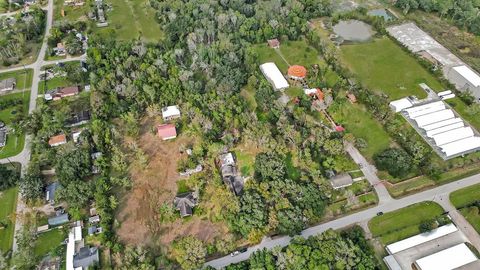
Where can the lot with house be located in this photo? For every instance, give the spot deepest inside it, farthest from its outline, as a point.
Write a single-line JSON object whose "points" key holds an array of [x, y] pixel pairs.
{"points": [[8, 201], [403, 223], [130, 20], [383, 66], [10, 114], [23, 78]]}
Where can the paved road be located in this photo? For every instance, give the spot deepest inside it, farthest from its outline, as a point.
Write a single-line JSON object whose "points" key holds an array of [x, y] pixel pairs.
{"points": [[359, 217], [370, 173]]}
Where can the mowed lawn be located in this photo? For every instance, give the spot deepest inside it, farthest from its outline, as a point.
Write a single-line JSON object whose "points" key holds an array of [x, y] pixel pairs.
{"points": [[44, 86], [15, 143], [48, 242], [461, 108], [357, 120], [383, 66], [8, 203], [403, 223], [466, 197], [23, 78], [131, 19], [72, 13]]}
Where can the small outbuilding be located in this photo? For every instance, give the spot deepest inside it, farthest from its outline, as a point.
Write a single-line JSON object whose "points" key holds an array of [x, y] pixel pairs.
{"points": [[297, 72], [352, 98], [170, 112], [7, 84], [167, 131], [273, 43], [341, 180], [3, 137], [50, 191]]}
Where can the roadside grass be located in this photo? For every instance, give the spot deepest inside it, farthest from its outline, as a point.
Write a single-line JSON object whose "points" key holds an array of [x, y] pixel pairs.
{"points": [[465, 196], [131, 19], [15, 143], [48, 241], [8, 202], [357, 120], [44, 86], [23, 78], [472, 215], [383, 66], [403, 223]]}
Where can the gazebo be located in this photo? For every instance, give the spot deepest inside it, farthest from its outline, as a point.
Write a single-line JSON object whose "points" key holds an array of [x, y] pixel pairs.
{"points": [[297, 72]]}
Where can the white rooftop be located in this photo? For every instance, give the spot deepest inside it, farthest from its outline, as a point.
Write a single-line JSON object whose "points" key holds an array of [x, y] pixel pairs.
{"points": [[170, 111], [421, 238], [469, 75], [401, 104], [274, 76], [447, 259]]}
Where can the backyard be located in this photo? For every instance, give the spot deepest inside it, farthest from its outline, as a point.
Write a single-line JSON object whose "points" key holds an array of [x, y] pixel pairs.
{"points": [[23, 78], [53, 83], [48, 241], [383, 66], [403, 223], [130, 19], [8, 201], [12, 113], [356, 120]]}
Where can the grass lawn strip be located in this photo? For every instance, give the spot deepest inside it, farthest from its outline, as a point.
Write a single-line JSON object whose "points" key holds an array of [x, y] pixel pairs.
{"points": [[44, 86], [15, 143], [465, 196], [48, 242], [396, 222], [472, 215], [8, 202]]}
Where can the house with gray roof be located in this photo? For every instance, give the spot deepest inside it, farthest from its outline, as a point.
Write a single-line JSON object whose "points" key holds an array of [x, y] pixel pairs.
{"points": [[86, 257], [58, 220], [230, 175], [341, 180], [50, 192], [7, 84], [185, 203]]}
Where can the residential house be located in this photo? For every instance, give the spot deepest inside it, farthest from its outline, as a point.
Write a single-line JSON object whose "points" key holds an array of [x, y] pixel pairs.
{"points": [[85, 257], [58, 220], [185, 203], [273, 43], [79, 256], [50, 191], [57, 140], [167, 131], [94, 230], [79, 118], [341, 180], [171, 112], [94, 219], [60, 49], [230, 175], [8, 84], [60, 93]]}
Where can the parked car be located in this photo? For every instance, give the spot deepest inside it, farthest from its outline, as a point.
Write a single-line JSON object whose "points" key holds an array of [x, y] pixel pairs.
{"points": [[235, 253], [379, 213]]}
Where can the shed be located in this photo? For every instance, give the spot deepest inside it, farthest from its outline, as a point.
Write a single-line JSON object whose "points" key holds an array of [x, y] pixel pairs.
{"points": [[341, 181], [400, 104], [465, 79], [297, 72], [57, 140], [273, 43], [167, 131], [94, 219], [58, 220], [170, 113], [352, 98]]}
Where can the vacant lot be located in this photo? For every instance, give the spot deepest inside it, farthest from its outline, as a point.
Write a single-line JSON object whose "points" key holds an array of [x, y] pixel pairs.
{"points": [[48, 242], [403, 223], [8, 201], [131, 19], [14, 142], [154, 186], [72, 13], [465, 196], [23, 77], [358, 121], [383, 66]]}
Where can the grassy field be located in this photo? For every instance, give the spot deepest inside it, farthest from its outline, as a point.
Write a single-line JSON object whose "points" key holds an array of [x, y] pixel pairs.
{"points": [[48, 242], [14, 143], [356, 120], [51, 84], [131, 19], [72, 14], [383, 66], [403, 223], [8, 201], [460, 107], [24, 79], [465, 196]]}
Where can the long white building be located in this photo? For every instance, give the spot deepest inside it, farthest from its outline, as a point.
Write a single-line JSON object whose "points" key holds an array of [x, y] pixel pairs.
{"points": [[447, 259], [274, 76]]}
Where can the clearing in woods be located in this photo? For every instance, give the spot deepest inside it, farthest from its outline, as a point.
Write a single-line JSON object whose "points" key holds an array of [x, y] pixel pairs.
{"points": [[152, 186]]}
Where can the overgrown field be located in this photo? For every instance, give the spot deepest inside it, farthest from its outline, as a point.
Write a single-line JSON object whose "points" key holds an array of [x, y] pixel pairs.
{"points": [[8, 201]]}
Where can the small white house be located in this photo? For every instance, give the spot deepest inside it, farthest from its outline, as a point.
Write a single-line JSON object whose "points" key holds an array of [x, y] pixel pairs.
{"points": [[170, 113]]}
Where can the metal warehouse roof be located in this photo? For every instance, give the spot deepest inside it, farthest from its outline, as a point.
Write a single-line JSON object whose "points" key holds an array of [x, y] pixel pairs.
{"points": [[421, 238], [447, 259], [453, 135], [460, 146], [434, 117], [469, 75], [274, 76]]}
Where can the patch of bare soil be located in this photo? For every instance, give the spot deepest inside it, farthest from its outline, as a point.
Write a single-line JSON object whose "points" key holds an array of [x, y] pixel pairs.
{"points": [[152, 186]]}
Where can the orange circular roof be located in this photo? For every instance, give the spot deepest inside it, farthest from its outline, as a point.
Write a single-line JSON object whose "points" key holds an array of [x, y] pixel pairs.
{"points": [[297, 71]]}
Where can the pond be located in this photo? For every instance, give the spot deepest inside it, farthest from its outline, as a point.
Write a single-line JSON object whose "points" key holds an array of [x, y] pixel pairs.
{"points": [[353, 30], [387, 15]]}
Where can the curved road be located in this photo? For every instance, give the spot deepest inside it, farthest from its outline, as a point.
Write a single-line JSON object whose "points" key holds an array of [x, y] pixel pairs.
{"points": [[24, 156], [439, 194]]}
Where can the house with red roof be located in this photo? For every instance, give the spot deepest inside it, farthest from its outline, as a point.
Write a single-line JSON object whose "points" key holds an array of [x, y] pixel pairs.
{"points": [[167, 131], [57, 140], [297, 72]]}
